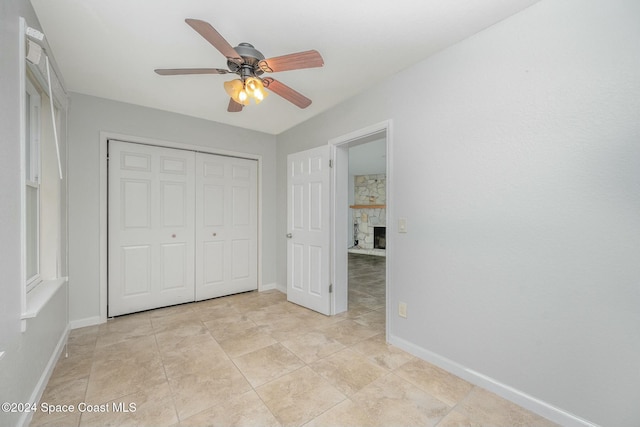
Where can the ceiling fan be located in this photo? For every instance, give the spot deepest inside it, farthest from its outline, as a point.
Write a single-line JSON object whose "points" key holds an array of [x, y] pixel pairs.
{"points": [[248, 63]]}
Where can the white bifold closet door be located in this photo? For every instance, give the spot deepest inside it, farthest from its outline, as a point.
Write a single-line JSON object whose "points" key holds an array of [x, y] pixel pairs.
{"points": [[226, 226], [151, 227], [175, 234]]}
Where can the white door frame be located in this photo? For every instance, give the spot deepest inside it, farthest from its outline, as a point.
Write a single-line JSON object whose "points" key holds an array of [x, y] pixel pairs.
{"points": [[104, 138], [340, 205]]}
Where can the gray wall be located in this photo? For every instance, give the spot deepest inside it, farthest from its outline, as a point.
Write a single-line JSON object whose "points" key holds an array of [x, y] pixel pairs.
{"points": [[516, 162], [27, 353], [88, 117]]}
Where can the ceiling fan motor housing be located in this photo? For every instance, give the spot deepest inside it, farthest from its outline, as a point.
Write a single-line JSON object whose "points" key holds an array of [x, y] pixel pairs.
{"points": [[251, 57]]}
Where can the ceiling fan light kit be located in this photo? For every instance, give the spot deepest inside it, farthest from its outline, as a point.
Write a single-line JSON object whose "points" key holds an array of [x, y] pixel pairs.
{"points": [[242, 92], [249, 63]]}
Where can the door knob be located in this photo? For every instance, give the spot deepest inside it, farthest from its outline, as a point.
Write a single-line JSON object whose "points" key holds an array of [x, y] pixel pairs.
{"points": [[289, 235], [215, 234]]}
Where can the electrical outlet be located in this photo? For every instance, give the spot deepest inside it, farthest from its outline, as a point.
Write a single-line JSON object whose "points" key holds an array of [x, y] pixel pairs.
{"points": [[402, 309]]}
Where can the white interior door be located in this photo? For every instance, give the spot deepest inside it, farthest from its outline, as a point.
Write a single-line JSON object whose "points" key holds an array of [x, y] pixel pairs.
{"points": [[226, 226], [308, 224], [151, 227]]}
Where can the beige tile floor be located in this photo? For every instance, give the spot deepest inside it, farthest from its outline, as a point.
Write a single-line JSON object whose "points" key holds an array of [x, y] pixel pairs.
{"points": [[255, 359]]}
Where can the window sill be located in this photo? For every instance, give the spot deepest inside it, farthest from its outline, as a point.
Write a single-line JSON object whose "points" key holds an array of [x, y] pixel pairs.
{"points": [[38, 297]]}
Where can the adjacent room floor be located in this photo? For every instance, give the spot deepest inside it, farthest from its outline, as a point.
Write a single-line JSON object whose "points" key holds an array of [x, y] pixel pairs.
{"points": [[255, 359]]}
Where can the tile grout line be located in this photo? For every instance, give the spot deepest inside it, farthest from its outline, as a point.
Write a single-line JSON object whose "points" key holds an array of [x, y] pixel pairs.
{"points": [[166, 377]]}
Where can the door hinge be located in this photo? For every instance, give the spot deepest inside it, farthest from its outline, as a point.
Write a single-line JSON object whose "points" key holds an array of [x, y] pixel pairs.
{"points": [[331, 288], [330, 163]]}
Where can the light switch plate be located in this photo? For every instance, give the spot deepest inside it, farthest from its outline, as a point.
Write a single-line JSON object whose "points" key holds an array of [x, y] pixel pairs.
{"points": [[402, 225], [402, 309]]}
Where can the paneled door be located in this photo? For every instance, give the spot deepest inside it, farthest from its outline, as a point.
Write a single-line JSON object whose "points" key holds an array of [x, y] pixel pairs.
{"points": [[226, 226], [151, 227], [308, 225]]}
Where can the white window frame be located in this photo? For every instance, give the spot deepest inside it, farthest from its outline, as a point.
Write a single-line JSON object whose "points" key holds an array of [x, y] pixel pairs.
{"points": [[38, 289], [32, 176]]}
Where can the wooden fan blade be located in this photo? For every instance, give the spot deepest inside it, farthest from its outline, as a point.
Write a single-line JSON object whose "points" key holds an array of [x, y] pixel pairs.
{"points": [[293, 61], [286, 92], [234, 107], [212, 36], [178, 71]]}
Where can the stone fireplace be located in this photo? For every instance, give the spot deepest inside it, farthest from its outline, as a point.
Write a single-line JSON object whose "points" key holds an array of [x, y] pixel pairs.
{"points": [[369, 212]]}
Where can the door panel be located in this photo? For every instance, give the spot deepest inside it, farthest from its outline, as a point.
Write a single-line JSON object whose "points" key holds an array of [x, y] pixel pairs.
{"points": [[315, 206], [135, 161], [151, 227], [214, 268], [136, 270], [174, 165], [213, 202], [136, 195], [174, 259], [297, 267], [240, 256], [297, 207], [315, 270], [308, 180], [173, 201], [226, 226], [241, 206]]}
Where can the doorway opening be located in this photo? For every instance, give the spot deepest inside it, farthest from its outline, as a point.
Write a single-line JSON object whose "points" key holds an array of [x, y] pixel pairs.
{"points": [[361, 204]]}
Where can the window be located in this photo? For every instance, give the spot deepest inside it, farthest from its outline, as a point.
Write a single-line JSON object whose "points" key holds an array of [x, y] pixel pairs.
{"points": [[43, 147], [32, 184]]}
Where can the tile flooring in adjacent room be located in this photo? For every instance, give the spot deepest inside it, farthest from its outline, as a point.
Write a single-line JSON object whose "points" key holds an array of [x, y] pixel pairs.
{"points": [[255, 359]]}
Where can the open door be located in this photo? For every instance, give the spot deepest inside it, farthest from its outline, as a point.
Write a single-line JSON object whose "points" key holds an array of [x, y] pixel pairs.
{"points": [[308, 229]]}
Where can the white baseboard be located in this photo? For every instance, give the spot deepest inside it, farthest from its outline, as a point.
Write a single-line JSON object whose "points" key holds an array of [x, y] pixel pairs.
{"points": [[25, 419], [518, 397], [267, 287], [281, 288], [87, 321]]}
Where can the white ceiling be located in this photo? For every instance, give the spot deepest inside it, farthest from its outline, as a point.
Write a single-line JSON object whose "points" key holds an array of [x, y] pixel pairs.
{"points": [[109, 48]]}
